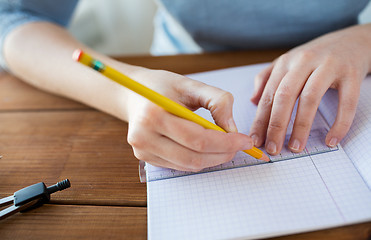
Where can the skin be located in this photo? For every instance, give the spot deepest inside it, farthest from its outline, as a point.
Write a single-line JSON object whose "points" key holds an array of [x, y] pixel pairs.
{"points": [[337, 60], [155, 135]]}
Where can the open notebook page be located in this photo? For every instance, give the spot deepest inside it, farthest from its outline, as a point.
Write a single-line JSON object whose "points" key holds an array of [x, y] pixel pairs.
{"points": [[301, 194], [357, 142]]}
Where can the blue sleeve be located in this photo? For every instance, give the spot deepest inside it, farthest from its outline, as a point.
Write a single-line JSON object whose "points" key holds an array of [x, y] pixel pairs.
{"points": [[14, 13]]}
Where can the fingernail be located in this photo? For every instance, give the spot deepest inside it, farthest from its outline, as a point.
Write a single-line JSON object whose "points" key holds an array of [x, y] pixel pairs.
{"points": [[255, 139], [271, 147], [232, 126], [333, 142], [295, 145]]}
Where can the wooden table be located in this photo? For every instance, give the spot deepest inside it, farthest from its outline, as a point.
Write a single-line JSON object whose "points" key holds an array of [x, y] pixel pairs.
{"points": [[49, 138]]}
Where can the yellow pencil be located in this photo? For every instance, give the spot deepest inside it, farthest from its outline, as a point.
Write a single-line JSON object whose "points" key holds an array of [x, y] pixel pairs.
{"points": [[164, 102]]}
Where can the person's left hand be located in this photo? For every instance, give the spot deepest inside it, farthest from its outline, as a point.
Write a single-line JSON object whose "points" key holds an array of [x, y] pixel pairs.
{"points": [[337, 60]]}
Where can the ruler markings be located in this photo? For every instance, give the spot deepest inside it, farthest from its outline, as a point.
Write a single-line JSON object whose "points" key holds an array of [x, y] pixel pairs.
{"points": [[315, 145]]}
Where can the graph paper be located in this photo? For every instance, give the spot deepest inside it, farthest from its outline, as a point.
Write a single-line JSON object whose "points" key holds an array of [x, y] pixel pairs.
{"points": [[288, 196], [357, 142]]}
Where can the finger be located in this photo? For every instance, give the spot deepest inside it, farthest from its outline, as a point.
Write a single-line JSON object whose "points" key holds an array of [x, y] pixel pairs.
{"points": [[199, 139], [186, 158], [147, 138], [348, 99], [157, 161], [260, 124], [309, 100], [283, 105], [260, 82], [216, 100]]}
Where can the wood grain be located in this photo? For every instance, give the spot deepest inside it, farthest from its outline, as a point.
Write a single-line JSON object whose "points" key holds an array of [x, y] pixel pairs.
{"points": [[49, 138], [16, 95], [87, 147], [76, 222], [192, 63]]}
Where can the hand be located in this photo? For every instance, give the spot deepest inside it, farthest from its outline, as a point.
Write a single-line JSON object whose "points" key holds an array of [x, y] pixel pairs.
{"points": [[337, 60], [165, 140]]}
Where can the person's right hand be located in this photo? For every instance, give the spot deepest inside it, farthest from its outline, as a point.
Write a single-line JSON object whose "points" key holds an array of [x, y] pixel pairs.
{"points": [[165, 140]]}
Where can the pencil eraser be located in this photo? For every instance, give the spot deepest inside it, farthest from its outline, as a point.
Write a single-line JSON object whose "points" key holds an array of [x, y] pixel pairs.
{"points": [[77, 55]]}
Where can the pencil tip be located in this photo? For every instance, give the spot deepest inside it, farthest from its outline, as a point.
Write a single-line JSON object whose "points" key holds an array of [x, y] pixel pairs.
{"points": [[265, 158]]}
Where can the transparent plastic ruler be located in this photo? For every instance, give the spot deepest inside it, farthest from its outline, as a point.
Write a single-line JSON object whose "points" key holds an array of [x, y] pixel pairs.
{"points": [[315, 145]]}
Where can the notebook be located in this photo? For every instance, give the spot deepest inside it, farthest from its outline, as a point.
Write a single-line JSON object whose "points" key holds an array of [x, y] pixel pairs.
{"points": [[245, 199]]}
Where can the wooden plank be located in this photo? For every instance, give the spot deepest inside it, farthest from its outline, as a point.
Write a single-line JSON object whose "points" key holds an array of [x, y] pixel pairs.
{"points": [[88, 147], [191, 63], [51, 146], [76, 222], [17, 95], [105, 222]]}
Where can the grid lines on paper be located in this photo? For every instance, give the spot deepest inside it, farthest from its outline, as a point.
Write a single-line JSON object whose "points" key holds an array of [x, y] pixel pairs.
{"points": [[227, 201], [357, 141], [306, 193]]}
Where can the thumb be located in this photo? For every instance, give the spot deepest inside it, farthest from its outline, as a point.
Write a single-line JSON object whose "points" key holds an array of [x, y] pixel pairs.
{"points": [[221, 108], [218, 102]]}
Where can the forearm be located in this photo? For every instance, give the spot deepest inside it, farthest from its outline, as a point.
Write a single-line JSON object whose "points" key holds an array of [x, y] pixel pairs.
{"points": [[40, 53], [367, 29], [363, 41]]}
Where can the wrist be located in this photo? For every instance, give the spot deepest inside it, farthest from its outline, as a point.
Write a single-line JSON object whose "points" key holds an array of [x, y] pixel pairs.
{"points": [[125, 98], [365, 37]]}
